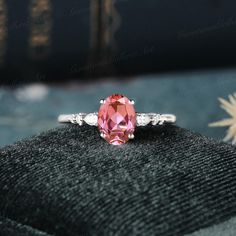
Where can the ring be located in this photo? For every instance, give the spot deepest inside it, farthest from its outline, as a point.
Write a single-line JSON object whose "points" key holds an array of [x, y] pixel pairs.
{"points": [[117, 119]]}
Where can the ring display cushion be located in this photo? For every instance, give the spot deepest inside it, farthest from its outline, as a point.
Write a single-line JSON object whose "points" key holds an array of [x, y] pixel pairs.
{"points": [[12, 228], [68, 181]]}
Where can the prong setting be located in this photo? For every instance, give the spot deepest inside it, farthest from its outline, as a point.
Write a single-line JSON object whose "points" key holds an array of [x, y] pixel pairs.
{"points": [[131, 136], [131, 101]]}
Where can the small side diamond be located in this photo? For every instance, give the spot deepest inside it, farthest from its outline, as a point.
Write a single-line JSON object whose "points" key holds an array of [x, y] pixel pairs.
{"points": [[72, 119], [79, 119], [143, 119], [156, 119], [91, 119]]}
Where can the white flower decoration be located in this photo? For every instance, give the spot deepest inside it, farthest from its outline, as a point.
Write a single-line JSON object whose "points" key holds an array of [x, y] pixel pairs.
{"points": [[230, 108]]}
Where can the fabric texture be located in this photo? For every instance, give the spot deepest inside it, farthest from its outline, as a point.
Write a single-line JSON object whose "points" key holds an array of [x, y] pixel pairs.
{"points": [[12, 228], [68, 181]]}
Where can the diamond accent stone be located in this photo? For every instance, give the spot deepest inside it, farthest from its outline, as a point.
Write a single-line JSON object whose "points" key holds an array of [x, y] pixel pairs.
{"points": [[143, 119], [117, 119], [156, 118], [79, 119], [73, 119], [91, 119]]}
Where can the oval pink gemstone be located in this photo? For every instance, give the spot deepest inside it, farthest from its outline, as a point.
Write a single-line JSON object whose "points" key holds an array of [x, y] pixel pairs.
{"points": [[117, 119]]}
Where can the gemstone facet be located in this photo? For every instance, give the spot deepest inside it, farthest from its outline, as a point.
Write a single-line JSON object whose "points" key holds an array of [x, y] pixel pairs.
{"points": [[117, 119]]}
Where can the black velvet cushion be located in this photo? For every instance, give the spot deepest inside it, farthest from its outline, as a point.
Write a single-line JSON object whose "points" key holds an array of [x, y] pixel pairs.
{"points": [[12, 228], [68, 181]]}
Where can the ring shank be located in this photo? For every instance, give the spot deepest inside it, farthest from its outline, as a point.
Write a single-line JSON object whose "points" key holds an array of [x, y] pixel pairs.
{"points": [[64, 118], [143, 119], [169, 118]]}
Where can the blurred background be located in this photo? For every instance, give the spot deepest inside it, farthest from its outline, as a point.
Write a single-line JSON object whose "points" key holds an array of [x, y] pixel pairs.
{"points": [[64, 56]]}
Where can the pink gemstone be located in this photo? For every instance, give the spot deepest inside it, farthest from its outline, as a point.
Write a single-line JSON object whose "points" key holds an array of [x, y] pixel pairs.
{"points": [[117, 119]]}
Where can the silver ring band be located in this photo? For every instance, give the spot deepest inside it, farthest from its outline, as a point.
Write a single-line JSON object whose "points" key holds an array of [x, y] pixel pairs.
{"points": [[142, 119]]}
